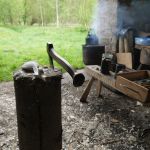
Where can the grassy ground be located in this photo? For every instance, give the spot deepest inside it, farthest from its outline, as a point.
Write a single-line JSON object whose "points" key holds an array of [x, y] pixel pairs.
{"points": [[20, 44]]}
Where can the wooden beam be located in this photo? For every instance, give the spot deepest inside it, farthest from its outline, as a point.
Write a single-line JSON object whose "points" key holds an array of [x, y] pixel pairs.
{"points": [[86, 91], [99, 88]]}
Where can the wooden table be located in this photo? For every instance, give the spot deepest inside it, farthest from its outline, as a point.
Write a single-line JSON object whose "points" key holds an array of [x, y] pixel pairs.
{"points": [[95, 74]]}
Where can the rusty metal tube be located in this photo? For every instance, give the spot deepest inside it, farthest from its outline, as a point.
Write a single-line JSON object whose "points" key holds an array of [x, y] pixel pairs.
{"points": [[78, 78]]}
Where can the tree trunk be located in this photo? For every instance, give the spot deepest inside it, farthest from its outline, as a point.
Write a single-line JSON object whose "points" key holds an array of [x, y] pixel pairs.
{"points": [[57, 13], [41, 13]]}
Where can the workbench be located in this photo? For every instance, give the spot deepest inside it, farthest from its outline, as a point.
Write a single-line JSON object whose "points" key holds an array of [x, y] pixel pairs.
{"points": [[94, 72], [123, 82]]}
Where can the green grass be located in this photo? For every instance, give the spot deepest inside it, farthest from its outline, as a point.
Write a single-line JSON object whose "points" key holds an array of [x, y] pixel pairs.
{"points": [[21, 44]]}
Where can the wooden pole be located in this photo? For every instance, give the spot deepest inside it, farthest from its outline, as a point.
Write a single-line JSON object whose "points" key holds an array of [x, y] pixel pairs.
{"points": [[126, 45], [99, 88], [121, 45], [86, 91]]}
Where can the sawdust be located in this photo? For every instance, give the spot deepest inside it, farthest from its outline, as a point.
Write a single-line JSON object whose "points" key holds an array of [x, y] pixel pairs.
{"points": [[111, 122]]}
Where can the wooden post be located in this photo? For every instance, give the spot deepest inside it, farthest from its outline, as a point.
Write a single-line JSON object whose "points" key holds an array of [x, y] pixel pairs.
{"points": [[86, 91], [99, 88], [121, 45], [131, 41], [126, 44], [38, 106]]}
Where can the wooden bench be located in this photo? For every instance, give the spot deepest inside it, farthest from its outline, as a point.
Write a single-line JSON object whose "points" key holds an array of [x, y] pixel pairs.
{"points": [[124, 82], [95, 74]]}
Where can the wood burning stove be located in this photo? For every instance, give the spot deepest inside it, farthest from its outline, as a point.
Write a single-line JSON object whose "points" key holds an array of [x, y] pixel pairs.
{"points": [[92, 51]]}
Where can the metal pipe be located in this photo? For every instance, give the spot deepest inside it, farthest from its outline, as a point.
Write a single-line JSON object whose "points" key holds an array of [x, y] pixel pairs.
{"points": [[78, 78]]}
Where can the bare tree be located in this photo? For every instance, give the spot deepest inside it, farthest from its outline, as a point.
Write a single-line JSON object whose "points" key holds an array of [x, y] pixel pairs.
{"points": [[46, 11], [41, 12], [57, 12]]}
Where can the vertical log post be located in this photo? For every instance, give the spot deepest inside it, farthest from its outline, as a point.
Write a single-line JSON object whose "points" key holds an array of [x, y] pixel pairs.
{"points": [[38, 106], [99, 88], [126, 45], [121, 45]]}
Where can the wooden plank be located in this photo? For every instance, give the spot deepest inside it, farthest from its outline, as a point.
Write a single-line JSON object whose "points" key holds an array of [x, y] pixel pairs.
{"points": [[125, 59], [135, 75], [99, 88], [121, 45], [126, 45], [141, 46], [148, 73], [94, 72], [86, 91], [143, 34], [131, 41], [132, 89]]}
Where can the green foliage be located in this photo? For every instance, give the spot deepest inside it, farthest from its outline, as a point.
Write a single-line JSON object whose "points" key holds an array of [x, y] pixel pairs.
{"points": [[43, 12], [86, 11], [20, 44]]}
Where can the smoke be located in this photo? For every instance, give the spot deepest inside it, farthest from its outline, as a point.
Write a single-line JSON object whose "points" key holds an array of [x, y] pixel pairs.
{"points": [[96, 23], [136, 15], [98, 14], [102, 22], [110, 16]]}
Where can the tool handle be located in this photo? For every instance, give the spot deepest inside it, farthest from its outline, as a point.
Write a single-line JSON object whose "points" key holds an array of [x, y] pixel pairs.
{"points": [[78, 78]]}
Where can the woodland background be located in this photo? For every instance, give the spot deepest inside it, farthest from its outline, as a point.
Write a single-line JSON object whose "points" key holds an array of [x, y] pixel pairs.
{"points": [[27, 25], [45, 12]]}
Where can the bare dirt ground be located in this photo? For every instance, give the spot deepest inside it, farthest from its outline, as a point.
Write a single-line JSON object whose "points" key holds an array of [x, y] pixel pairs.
{"points": [[111, 122]]}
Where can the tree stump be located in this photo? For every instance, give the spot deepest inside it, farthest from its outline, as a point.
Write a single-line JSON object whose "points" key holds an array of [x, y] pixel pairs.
{"points": [[38, 106]]}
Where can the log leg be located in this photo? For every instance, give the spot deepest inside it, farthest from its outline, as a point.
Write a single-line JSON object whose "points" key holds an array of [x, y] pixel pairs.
{"points": [[99, 88], [86, 91], [126, 45], [121, 45]]}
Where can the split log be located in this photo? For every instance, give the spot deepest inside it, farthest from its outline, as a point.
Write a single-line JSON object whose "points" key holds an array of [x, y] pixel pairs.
{"points": [[121, 45]]}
